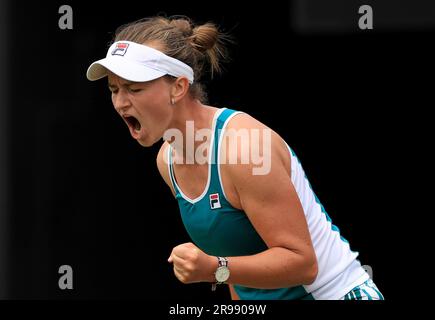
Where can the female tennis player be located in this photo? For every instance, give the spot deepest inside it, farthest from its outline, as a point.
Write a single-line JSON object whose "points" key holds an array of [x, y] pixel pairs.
{"points": [[254, 220]]}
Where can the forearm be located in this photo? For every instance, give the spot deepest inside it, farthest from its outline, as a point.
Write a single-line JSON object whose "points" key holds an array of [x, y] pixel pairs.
{"points": [[274, 268], [233, 293]]}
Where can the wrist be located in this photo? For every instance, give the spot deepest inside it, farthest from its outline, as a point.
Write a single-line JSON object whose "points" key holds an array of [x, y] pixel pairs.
{"points": [[222, 272], [212, 264]]}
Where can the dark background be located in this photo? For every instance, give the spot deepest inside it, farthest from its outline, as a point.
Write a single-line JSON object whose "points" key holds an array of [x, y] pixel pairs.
{"points": [[79, 191]]}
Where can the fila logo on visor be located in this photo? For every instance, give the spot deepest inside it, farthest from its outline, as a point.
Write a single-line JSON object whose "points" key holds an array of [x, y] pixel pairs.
{"points": [[120, 49], [214, 201]]}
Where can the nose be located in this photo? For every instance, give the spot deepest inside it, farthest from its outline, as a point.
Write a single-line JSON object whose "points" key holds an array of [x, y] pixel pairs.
{"points": [[120, 100]]}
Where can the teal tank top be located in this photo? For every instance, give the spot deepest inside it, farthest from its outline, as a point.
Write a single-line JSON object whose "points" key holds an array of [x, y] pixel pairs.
{"points": [[218, 228]]}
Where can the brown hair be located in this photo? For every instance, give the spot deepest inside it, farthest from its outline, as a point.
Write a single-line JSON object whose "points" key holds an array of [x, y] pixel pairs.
{"points": [[199, 46]]}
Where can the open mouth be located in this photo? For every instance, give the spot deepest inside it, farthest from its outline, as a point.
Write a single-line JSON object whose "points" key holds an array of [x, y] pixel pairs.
{"points": [[132, 122]]}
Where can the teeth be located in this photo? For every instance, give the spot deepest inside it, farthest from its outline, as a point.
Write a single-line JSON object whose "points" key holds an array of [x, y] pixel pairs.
{"points": [[137, 126]]}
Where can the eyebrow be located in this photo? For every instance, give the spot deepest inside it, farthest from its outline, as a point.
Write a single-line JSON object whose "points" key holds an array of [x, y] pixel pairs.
{"points": [[125, 84]]}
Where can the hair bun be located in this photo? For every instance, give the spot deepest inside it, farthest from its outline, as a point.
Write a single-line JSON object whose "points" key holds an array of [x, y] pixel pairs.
{"points": [[205, 37]]}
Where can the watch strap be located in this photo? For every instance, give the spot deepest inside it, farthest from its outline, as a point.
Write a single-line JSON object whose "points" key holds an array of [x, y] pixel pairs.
{"points": [[222, 262]]}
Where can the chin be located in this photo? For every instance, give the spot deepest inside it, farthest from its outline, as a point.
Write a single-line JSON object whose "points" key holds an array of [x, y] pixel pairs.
{"points": [[147, 142]]}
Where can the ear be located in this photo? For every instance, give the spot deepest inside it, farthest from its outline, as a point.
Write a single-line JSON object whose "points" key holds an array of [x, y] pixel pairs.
{"points": [[179, 88]]}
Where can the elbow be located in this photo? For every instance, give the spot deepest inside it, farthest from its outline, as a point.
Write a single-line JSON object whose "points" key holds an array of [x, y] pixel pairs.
{"points": [[311, 271]]}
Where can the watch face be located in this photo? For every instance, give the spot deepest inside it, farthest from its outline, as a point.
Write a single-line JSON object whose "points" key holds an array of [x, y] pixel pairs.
{"points": [[222, 274]]}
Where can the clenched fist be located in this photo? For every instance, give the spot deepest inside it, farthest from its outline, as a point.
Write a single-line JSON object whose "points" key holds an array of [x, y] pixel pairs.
{"points": [[191, 264]]}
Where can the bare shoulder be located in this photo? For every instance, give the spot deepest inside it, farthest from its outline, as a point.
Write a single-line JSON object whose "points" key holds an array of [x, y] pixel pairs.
{"points": [[255, 141], [244, 120], [161, 156], [162, 164]]}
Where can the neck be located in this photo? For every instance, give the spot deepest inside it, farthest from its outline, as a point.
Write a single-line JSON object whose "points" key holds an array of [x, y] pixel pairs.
{"points": [[190, 132]]}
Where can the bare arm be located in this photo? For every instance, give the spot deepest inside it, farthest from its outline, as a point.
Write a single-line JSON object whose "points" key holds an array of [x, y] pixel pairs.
{"points": [[233, 293], [273, 207], [162, 165]]}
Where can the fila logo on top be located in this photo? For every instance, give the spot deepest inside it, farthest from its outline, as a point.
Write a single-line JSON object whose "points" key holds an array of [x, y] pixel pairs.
{"points": [[120, 49], [214, 201]]}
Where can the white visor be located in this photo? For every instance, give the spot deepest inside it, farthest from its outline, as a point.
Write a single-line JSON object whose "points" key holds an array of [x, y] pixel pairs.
{"points": [[138, 63]]}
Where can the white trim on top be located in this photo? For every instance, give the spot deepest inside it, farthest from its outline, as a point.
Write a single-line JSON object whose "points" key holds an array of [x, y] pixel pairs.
{"points": [[193, 201], [219, 154]]}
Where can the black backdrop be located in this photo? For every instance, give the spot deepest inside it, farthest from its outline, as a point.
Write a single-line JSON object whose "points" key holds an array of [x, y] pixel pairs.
{"points": [[81, 192]]}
